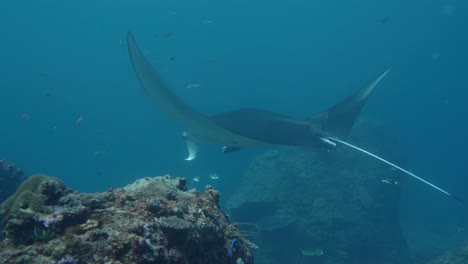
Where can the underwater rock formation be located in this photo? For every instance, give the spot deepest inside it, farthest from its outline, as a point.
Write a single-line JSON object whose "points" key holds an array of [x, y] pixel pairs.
{"points": [[458, 256], [306, 200], [10, 179], [153, 220]]}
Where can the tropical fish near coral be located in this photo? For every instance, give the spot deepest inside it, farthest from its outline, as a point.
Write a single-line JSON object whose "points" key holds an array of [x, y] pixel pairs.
{"points": [[232, 245], [256, 128]]}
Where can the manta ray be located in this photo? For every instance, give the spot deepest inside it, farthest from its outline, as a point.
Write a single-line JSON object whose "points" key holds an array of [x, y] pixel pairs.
{"points": [[257, 128]]}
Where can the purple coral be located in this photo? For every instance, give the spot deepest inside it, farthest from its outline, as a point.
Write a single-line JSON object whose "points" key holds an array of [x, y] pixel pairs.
{"points": [[146, 230], [51, 220], [68, 260]]}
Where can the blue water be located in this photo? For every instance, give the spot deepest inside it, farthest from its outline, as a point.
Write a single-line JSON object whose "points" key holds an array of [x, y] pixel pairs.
{"points": [[295, 57]]}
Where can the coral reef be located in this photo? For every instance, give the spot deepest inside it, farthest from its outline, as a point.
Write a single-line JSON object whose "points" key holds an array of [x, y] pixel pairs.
{"points": [[153, 220], [27, 197], [334, 201], [10, 178]]}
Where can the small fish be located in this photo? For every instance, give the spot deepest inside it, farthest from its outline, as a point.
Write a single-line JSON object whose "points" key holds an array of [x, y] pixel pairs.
{"points": [[208, 22], [171, 58], [196, 179], [195, 85], [167, 34], [79, 120], [231, 247], [214, 176], [390, 181], [385, 19], [312, 252], [24, 116], [47, 93]]}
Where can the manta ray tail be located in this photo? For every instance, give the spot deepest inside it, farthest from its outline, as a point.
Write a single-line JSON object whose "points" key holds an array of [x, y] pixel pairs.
{"points": [[339, 119], [393, 165]]}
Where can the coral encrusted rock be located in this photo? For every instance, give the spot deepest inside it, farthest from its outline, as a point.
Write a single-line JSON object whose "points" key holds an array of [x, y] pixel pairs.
{"points": [[153, 220]]}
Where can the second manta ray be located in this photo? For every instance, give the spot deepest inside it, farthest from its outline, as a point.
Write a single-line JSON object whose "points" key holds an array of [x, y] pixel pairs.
{"points": [[254, 128]]}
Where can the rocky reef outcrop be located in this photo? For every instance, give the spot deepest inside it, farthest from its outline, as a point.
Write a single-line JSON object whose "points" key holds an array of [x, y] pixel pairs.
{"points": [[10, 179], [153, 220], [314, 206]]}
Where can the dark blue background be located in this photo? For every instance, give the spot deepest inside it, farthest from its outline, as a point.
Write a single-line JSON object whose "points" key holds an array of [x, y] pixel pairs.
{"points": [[295, 57]]}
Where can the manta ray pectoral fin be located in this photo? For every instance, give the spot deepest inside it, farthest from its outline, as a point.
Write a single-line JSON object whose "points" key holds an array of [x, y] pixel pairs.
{"points": [[202, 128], [393, 165], [339, 119], [191, 147]]}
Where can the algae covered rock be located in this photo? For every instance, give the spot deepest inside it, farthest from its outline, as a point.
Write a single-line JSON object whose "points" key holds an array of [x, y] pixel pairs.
{"points": [[306, 200], [30, 200], [153, 220]]}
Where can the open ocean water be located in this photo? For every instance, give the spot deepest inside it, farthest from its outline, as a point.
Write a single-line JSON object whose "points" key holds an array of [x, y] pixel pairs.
{"points": [[71, 107]]}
